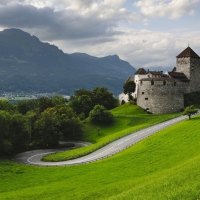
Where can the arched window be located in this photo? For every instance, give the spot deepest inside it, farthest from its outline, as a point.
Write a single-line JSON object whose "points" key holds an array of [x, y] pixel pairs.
{"points": [[152, 82], [164, 82]]}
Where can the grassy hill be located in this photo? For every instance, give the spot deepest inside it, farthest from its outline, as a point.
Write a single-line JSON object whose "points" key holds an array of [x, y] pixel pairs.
{"points": [[164, 166], [127, 119]]}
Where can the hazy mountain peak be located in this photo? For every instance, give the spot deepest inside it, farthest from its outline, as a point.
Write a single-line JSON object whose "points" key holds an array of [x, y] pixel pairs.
{"points": [[27, 64]]}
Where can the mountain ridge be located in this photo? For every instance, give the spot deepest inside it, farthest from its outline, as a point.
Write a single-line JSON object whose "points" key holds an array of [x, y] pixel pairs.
{"points": [[29, 65]]}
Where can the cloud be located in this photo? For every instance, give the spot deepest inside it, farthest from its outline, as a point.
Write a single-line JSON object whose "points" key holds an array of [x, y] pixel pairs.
{"points": [[64, 19], [142, 48], [105, 27], [170, 8], [55, 24]]}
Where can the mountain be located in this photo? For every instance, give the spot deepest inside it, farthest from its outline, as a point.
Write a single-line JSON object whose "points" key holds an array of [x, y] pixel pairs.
{"points": [[29, 65]]}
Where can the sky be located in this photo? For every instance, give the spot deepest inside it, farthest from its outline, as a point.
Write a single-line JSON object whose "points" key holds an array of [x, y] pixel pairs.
{"points": [[145, 33]]}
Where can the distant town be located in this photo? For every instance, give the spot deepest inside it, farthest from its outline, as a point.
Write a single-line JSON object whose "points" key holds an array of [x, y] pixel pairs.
{"points": [[11, 96]]}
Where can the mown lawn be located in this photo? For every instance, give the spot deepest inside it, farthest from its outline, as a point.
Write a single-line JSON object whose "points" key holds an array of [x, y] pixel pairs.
{"points": [[164, 166], [127, 119]]}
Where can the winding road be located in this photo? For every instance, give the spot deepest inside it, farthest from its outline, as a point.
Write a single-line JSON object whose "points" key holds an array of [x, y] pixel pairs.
{"points": [[34, 157]]}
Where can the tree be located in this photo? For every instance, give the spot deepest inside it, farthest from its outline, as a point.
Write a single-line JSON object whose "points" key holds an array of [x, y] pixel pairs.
{"points": [[69, 124], [81, 92], [58, 100], [56, 124], [105, 98], [6, 146], [20, 132], [44, 103], [14, 133], [46, 132], [7, 106], [83, 100], [82, 104], [190, 110], [129, 88], [27, 105], [99, 115]]}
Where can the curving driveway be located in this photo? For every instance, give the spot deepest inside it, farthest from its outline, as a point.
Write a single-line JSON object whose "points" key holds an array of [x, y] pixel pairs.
{"points": [[34, 157]]}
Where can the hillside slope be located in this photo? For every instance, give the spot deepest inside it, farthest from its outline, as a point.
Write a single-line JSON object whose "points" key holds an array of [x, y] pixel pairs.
{"points": [[27, 64], [164, 166]]}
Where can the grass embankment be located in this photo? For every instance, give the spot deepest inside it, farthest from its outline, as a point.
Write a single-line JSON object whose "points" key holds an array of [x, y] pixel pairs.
{"points": [[164, 166], [127, 119]]}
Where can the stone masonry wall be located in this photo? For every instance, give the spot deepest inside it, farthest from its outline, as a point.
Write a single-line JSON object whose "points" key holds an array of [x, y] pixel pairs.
{"points": [[195, 75], [191, 68], [160, 98]]}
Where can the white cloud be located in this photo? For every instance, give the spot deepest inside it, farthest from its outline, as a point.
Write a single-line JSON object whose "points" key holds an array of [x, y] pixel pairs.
{"points": [[170, 8], [104, 27], [66, 19], [140, 47]]}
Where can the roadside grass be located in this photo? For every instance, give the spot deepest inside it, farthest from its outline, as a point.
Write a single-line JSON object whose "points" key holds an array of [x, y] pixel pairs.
{"points": [[128, 118], [163, 166]]}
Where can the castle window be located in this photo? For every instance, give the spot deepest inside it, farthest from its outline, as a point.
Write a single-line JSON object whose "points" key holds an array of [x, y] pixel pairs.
{"points": [[142, 92], [174, 83], [164, 82], [146, 99], [152, 82]]}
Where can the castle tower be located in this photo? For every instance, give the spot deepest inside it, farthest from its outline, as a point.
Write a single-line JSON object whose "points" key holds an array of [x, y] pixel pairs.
{"points": [[188, 62]]}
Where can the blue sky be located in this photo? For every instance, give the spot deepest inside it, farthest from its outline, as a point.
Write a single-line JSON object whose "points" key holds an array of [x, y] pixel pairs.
{"points": [[143, 32]]}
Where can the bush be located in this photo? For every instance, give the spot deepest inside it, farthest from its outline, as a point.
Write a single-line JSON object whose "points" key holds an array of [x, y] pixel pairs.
{"points": [[99, 115], [189, 111]]}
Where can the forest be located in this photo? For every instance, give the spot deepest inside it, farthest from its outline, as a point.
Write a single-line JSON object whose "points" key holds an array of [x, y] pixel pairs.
{"points": [[43, 122]]}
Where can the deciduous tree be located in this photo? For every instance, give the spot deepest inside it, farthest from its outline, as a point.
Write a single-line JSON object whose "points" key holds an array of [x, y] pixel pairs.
{"points": [[129, 88]]}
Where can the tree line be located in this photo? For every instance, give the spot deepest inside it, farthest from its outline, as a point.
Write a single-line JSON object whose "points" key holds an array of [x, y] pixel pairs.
{"points": [[42, 123]]}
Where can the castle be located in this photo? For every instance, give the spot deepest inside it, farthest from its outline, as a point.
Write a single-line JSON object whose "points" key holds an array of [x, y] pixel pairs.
{"points": [[160, 93]]}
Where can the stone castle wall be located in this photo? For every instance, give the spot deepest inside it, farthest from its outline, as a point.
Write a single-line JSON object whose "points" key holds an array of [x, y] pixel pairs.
{"points": [[195, 75], [161, 97], [191, 68]]}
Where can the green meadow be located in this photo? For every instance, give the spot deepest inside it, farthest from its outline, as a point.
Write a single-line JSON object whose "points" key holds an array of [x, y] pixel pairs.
{"points": [[164, 166], [127, 119]]}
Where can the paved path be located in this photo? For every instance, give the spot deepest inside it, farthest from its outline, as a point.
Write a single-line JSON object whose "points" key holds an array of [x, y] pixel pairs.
{"points": [[34, 157]]}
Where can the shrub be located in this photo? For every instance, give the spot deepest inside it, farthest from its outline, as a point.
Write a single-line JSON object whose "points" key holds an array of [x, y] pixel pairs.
{"points": [[190, 110], [99, 115]]}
